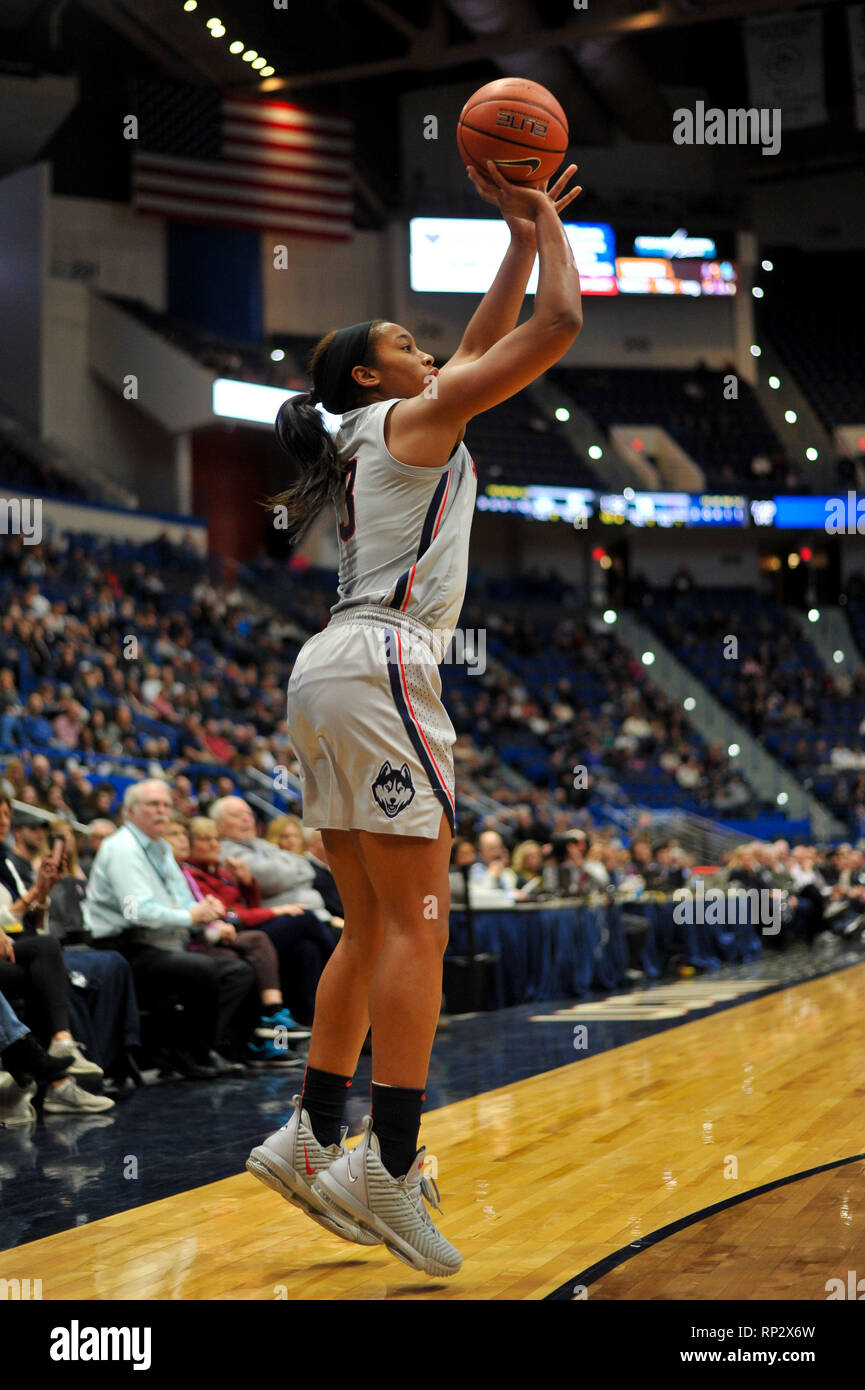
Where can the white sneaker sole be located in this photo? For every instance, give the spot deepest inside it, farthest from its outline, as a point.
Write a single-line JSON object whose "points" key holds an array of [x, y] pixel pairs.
{"points": [[10, 1118], [55, 1109], [329, 1190], [296, 1034], [276, 1174]]}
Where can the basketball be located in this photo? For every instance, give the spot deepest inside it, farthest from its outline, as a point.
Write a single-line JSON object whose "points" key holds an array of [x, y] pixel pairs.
{"points": [[517, 123]]}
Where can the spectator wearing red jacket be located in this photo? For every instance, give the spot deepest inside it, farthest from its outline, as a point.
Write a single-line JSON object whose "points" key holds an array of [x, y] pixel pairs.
{"points": [[295, 932]]}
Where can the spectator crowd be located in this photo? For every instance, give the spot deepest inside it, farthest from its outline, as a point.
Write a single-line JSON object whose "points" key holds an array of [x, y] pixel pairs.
{"points": [[149, 917]]}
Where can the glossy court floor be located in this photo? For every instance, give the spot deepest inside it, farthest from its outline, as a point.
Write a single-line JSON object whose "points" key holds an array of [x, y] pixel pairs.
{"points": [[700, 1140]]}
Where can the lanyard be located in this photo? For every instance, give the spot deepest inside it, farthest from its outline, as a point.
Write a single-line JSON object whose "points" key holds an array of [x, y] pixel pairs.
{"points": [[163, 878], [196, 891]]}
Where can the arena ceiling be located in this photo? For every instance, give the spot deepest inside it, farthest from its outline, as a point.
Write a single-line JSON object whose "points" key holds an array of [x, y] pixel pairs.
{"points": [[612, 64]]}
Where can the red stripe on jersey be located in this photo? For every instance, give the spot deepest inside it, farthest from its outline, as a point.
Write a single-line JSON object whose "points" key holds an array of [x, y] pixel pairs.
{"points": [[432, 538], [404, 685]]}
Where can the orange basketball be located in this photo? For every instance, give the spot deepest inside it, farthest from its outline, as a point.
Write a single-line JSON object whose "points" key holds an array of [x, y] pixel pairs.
{"points": [[517, 123]]}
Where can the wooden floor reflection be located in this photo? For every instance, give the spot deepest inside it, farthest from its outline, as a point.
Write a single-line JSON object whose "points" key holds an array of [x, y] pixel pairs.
{"points": [[544, 1178]]}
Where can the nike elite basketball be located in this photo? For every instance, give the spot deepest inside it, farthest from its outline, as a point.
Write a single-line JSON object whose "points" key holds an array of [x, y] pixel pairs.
{"points": [[517, 123]]}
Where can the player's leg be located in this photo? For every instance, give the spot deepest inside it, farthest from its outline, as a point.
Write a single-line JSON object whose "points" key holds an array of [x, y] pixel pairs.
{"points": [[410, 877], [380, 1185], [341, 1009], [308, 1144]]}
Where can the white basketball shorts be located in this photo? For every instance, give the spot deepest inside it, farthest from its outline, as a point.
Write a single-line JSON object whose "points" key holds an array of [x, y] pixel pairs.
{"points": [[366, 721]]}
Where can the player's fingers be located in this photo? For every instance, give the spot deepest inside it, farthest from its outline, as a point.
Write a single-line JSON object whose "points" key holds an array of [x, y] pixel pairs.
{"points": [[483, 186], [563, 202], [562, 180], [495, 175]]}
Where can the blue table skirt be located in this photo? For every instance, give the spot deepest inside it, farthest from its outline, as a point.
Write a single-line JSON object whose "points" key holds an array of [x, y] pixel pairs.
{"points": [[548, 953], [705, 946], [567, 952]]}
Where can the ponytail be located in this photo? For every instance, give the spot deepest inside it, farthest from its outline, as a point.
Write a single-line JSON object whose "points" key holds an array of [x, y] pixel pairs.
{"points": [[301, 430]]}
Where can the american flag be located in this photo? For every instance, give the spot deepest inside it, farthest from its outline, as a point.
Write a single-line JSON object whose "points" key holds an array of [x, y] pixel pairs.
{"points": [[242, 162]]}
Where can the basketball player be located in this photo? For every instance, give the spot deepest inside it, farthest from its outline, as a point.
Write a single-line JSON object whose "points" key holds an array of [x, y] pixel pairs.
{"points": [[366, 718]]}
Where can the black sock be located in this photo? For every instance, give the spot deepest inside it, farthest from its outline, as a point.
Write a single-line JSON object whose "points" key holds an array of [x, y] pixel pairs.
{"points": [[396, 1121], [268, 1010], [324, 1096]]}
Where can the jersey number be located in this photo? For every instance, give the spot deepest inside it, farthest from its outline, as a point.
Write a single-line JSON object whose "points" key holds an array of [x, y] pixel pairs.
{"points": [[346, 528]]}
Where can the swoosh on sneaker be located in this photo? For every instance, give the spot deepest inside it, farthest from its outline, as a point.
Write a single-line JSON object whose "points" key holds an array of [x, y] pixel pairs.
{"points": [[310, 1171], [351, 1176]]}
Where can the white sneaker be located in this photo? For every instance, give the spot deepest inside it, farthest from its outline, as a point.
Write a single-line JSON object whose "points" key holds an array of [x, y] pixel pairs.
{"points": [[80, 1066], [289, 1161], [60, 1100], [359, 1186], [15, 1107]]}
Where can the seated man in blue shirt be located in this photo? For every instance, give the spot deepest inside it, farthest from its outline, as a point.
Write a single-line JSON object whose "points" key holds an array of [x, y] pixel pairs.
{"points": [[138, 902], [36, 728]]}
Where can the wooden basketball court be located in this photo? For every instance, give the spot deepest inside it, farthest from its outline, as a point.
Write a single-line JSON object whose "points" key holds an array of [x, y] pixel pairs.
{"points": [[564, 1175]]}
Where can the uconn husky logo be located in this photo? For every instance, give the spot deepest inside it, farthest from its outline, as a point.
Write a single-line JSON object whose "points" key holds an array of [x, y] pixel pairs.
{"points": [[393, 789]]}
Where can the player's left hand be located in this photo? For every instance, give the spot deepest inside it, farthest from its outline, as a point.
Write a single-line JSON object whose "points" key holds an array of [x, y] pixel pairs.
{"points": [[504, 197]]}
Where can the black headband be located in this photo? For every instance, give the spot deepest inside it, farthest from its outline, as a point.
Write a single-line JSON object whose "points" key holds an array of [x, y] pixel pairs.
{"points": [[346, 350]]}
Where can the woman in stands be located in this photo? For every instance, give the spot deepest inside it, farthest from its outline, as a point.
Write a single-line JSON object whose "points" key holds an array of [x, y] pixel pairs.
{"points": [[365, 714], [289, 834], [196, 849], [32, 968]]}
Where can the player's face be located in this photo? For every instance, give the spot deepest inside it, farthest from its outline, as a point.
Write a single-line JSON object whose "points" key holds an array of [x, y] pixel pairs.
{"points": [[401, 367]]}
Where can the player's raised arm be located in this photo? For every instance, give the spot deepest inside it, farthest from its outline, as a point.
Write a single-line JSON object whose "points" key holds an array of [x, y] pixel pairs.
{"points": [[499, 309], [420, 428]]}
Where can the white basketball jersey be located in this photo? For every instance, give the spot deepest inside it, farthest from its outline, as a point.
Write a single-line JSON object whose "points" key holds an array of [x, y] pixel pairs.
{"points": [[403, 531]]}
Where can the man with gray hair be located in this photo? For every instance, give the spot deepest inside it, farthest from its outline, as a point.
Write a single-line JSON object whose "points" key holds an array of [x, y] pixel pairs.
{"points": [[284, 879], [139, 903]]}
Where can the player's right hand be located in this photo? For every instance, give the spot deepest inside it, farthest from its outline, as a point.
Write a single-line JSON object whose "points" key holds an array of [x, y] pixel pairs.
{"points": [[516, 200]]}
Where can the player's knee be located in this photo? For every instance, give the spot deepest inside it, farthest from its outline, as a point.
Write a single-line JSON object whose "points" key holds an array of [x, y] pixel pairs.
{"points": [[427, 931]]}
